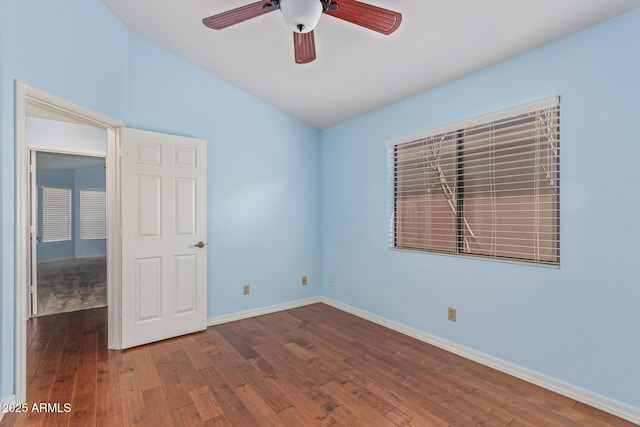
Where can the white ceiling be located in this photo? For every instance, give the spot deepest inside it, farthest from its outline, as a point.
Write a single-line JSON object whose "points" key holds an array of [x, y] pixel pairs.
{"points": [[358, 70]]}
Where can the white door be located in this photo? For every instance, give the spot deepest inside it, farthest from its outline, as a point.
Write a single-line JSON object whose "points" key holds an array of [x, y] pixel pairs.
{"points": [[164, 271]]}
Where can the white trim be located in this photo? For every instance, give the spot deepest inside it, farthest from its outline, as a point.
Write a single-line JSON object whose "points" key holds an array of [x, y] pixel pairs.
{"points": [[114, 240], [225, 318], [7, 401], [25, 94], [592, 399], [21, 244], [63, 150], [67, 108], [478, 120]]}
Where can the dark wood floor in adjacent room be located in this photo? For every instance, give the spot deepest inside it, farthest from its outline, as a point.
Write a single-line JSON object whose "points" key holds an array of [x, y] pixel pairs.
{"points": [[310, 366]]}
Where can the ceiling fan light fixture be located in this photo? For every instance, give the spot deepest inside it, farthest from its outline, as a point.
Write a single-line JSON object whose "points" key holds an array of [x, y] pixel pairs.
{"points": [[301, 16]]}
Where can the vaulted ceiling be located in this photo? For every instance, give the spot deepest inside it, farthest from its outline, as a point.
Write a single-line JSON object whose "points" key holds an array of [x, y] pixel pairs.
{"points": [[358, 70]]}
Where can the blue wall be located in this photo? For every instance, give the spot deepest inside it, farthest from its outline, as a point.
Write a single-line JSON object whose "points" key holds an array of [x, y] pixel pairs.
{"points": [[263, 178], [263, 175], [579, 324], [76, 50]]}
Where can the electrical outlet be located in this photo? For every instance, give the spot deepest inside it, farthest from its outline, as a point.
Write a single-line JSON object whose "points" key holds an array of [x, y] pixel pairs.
{"points": [[304, 280], [331, 281], [452, 314], [245, 290]]}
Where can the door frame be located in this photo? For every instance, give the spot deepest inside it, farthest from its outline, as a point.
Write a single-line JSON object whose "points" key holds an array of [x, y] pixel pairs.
{"points": [[24, 96], [32, 256]]}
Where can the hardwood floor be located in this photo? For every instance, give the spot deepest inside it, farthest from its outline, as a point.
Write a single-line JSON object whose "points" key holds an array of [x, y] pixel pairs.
{"points": [[310, 366]]}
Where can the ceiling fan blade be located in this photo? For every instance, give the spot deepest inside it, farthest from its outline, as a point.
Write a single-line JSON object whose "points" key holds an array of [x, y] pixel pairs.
{"points": [[237, 15], [366, 15], [304, 45]]}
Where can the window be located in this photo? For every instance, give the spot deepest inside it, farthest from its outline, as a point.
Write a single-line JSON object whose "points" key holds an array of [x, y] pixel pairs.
{"points": [[93, 214], [56, 214], [486, 187]]}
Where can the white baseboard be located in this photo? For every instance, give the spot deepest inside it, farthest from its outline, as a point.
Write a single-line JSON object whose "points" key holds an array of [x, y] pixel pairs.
{"points": [[6, 402], [611, 406], [217, 320]]}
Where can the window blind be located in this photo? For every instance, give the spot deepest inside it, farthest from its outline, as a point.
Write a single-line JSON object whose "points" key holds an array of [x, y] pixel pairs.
{"points": [[93, 214], [56, 214], [486, 188]]}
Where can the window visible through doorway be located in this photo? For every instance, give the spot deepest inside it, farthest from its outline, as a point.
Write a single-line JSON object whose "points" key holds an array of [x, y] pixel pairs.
{"points": [[487, 187], [93, 214], [56, 214]]}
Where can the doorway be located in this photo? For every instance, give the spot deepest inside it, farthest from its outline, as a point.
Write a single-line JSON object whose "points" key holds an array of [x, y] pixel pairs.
{"points": [[68, 214], [34, 103], [165, 307]]}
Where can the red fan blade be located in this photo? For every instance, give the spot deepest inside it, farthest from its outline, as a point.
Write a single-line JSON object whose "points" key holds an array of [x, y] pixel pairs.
{"points": [[237, 15], [304, 46], [375, 18]]}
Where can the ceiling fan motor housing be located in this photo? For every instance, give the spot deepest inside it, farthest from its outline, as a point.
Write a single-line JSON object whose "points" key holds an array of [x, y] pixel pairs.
{"points": [[301, 16]]}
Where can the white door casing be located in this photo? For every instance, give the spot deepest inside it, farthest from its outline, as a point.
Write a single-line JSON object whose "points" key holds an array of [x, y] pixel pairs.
{"points": [[33, 233], [163, 220], [28, 98]]}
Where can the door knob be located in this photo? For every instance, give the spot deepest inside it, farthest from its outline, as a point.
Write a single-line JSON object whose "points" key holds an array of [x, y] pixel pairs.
{"points": [[199, 245]]}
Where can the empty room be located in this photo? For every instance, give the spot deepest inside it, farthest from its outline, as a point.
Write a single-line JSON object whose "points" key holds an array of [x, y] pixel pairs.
{"points": [[320, 213]]}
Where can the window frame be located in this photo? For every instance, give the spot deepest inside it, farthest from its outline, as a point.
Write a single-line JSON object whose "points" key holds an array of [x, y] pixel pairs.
{"points": [[458, 129]]}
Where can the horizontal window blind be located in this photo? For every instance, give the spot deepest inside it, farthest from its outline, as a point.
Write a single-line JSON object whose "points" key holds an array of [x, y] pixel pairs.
{"points": [[93, 214], [487, 189], [56, 214]]}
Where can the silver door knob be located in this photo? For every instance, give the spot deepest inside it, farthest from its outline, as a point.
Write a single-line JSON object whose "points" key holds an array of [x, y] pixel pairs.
{"points": [[199, 245]]}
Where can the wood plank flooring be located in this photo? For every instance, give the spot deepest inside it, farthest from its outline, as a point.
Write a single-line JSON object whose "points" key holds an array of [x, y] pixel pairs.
{"points": [[310, 366]]}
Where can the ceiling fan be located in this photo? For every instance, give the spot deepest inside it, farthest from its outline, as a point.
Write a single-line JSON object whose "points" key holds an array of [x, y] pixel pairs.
{"points": [[302, 16]]}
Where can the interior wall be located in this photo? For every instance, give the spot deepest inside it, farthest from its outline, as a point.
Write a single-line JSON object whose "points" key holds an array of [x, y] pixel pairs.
{"points": [[75, 50], [64, 136], [263, 178], [579, 323]]}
